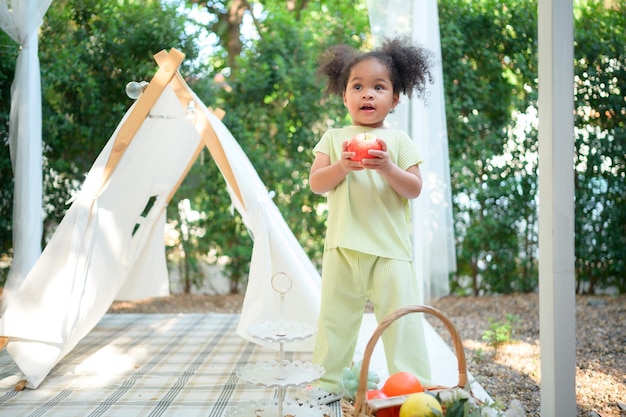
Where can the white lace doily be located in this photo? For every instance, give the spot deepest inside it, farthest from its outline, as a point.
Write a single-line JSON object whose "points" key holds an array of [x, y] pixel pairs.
{"points": [[282, 331], [284, 374]]}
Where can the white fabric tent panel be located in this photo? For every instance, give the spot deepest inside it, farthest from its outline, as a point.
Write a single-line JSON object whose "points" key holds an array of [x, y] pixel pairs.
{"points": [[149, 273], [92, 253]]}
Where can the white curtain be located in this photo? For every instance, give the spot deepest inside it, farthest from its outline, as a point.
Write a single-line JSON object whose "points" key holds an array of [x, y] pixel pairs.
{"points": [[433, 230], [21, 20]]}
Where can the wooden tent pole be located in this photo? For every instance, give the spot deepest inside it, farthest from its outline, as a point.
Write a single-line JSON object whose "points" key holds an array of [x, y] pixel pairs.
{"points": [[206, 131], [167, 70]]}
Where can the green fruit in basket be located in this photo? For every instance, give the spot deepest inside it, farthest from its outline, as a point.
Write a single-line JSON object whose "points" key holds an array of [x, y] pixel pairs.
{"points": [[372, 379], [421, 404], [350, 380], [351, 385]]}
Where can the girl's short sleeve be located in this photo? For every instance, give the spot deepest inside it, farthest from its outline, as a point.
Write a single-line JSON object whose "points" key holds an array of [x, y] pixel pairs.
{"points": [[331, 144], [324, 145], [408, 155]]}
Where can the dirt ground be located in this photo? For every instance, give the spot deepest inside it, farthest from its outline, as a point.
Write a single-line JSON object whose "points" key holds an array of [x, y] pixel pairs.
{"points": [[513, 370]]}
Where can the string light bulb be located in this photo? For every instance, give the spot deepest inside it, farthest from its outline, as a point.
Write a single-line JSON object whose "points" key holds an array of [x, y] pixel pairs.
{"points": [[135, 89]]}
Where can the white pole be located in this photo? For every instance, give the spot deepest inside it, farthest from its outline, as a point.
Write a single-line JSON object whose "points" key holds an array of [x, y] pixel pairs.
{"points": [[556, 209]]}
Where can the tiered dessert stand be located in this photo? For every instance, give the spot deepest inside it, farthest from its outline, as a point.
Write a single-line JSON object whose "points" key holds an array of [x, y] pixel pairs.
{"points": [[281, 374]]}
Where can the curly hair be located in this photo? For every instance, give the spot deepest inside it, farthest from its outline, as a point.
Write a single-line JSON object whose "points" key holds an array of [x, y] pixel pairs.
{"points": [[408, 64]]}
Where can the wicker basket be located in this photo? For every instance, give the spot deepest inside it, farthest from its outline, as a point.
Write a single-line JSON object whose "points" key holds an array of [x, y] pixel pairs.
{"points": [[364, 408]]}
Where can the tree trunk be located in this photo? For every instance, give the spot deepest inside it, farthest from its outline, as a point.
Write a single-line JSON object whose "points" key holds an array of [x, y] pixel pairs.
{"points": [[233, 36]]}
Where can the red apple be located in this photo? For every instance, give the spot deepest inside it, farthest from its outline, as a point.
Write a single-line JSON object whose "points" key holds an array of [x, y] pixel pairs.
{"points": [[361, 143], [373, 394]]}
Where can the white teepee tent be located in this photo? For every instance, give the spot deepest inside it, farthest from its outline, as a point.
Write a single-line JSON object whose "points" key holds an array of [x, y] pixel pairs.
{"points": [[110, 243]]}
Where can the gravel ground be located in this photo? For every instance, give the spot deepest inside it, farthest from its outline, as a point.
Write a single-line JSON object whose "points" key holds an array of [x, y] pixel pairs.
{"points": [[513, 370]]}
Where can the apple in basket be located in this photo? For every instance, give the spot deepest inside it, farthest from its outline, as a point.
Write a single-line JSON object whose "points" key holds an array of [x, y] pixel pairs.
{"points": [[375, 394], [361, 143]]}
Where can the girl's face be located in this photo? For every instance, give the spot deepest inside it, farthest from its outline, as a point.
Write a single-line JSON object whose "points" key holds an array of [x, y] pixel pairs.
{"points": [[369, 94]]}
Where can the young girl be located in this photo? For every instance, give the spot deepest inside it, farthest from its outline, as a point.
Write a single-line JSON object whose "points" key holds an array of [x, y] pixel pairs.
{"points": [[368, 254]]}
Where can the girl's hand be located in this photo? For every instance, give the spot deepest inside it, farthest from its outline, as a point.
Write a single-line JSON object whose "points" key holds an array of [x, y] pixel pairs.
{"points": [[378, 160], [346, 163]]}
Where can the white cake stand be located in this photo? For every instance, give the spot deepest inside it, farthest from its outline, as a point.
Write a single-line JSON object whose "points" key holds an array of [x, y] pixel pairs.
{"points": [[281, 374]]}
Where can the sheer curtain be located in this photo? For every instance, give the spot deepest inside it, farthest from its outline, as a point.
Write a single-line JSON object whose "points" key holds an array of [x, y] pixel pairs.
{"points": [[21, 20], [433, 229]]}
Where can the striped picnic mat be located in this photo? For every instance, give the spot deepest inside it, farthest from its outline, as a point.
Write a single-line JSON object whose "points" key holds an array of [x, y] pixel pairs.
{"points": [[146, 365]]}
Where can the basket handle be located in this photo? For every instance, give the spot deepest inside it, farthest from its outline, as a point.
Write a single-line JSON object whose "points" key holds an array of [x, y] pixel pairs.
{"points": [[386, 322]]}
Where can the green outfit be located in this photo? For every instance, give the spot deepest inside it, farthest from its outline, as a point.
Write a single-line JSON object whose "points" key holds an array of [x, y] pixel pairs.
{"points": [[368, 256]]}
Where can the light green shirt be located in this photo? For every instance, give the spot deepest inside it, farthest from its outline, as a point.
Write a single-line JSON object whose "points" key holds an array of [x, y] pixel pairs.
{"points": [[364, 213]]}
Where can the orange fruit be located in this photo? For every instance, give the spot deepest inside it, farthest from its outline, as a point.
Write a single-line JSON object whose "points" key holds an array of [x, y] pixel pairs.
{"points": [[401, 383]]}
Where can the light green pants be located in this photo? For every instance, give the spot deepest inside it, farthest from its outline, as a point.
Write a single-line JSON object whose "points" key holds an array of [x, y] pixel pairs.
{"points": [[349, 279]]}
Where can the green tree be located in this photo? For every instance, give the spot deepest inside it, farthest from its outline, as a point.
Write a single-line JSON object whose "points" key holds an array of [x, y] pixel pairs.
{"points": [[272, 101], [489, 67], [600, 157], [8, 57]]}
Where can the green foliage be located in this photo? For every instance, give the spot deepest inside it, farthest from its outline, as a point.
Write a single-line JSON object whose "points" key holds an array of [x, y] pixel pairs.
{"points": [[217, 230], [8, 55], [275, 109], [478, 355], [500, 332], [457, 408], [489, 66], [460, 403], [600, 154]]}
